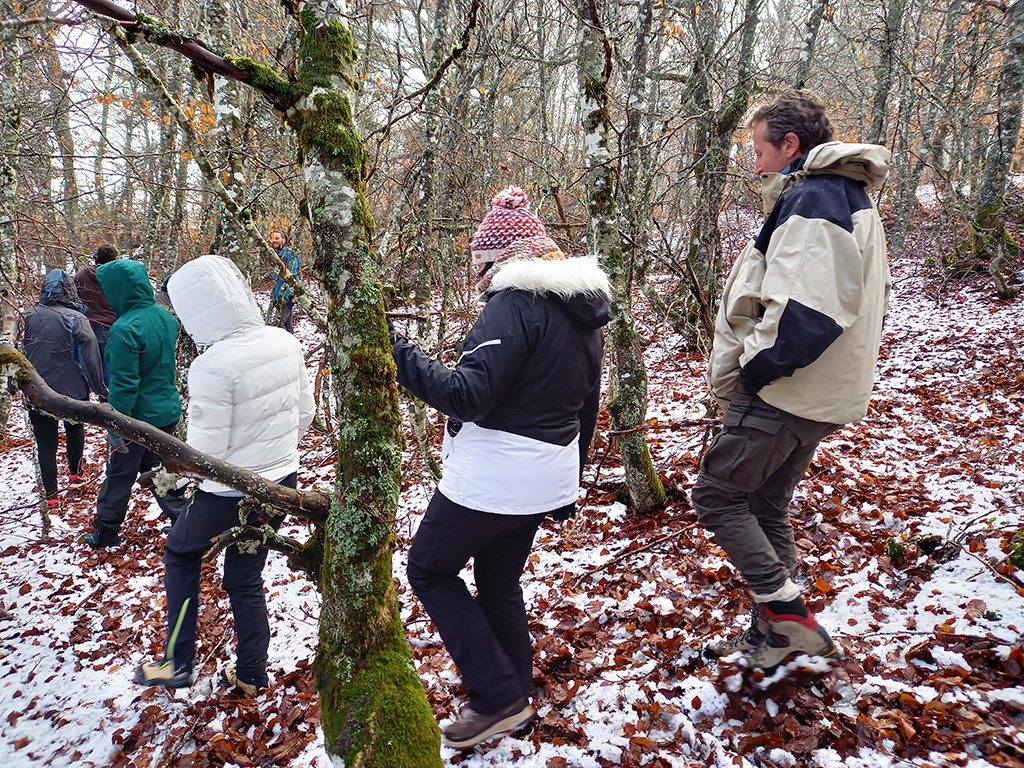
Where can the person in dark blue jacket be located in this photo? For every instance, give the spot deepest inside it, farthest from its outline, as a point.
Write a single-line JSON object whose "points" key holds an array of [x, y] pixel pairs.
{"points": [[59, 341], [522, 404]]}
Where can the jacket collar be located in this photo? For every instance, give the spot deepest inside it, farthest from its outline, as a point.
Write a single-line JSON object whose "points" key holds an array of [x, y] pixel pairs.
{"points": [[564, 277], [866, 163]]}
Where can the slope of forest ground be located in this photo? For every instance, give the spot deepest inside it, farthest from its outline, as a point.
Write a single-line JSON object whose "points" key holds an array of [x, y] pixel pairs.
{"points": [[908, 524]]}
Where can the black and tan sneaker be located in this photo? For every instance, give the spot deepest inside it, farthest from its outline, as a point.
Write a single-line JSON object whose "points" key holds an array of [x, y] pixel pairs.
{"points": [[164, 674], [229, 677], [471, 727], [745, 641], [791, 635]]}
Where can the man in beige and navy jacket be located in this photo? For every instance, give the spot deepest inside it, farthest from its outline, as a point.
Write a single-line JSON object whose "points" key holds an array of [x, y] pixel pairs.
{"points": [[795, 349]]}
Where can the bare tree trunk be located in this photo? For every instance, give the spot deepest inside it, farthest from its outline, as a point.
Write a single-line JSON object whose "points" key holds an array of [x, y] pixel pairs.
{"points": [[101, 144], [426, 246], [154, 245], [884, 71], [715, 128], [935, 128], [627, 398], [803, 69], [229, 100], [10, 71], [60, 101], [991, 242], [635, 148]]}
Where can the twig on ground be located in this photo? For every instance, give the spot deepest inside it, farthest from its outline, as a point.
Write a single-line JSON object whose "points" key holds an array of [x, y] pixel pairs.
{"points": [[628, 551]]}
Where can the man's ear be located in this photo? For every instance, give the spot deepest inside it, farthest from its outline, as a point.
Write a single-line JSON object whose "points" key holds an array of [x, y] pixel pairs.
{"points": [[791, 145]]}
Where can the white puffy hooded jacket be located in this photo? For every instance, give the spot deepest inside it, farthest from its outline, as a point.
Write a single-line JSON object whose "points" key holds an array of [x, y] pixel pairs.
{"points": [[250, 399]]}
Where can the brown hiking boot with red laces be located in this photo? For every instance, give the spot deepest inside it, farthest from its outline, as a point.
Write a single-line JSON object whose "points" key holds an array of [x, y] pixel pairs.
{"points": [[791, 635]]}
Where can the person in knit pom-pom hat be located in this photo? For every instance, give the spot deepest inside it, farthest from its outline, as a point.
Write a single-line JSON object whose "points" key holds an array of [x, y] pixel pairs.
{"points": [[522, 403], [508, 220]]}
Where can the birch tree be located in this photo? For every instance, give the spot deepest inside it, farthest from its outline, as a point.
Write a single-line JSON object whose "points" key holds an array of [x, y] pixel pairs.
{"points": [[627, 396], [10, 121]]}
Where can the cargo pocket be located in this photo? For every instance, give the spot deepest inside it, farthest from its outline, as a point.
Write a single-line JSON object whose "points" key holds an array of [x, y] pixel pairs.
{"points": [[745, 452]]}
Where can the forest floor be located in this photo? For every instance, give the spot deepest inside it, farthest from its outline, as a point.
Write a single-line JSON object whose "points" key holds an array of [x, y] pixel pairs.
{"points": [[908, 526]]}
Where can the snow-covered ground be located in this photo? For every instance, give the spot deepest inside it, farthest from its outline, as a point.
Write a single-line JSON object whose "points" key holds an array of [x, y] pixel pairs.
{"points": [[619, 605]]}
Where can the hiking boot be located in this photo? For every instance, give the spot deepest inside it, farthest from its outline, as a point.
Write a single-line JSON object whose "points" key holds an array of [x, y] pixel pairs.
{"points": [[470, 727], [52, 505], [229, 677], [790, 635], [745, 641], [92, 541], [78, 481], [164, 674]]}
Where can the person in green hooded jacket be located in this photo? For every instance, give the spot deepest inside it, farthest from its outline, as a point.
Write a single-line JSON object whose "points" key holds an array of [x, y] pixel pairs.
{"points": [[140, 359]]}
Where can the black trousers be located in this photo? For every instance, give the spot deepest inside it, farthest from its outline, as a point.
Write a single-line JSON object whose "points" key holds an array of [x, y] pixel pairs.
{"points": [[102, 333], [486, 635], [207, 516], [125, 462], [45, 429], [287, 315]]}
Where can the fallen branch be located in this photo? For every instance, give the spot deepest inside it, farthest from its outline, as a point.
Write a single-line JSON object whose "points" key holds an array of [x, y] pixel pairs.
{"points": [[999, 576], [645, 427], [177, 457], [260, 535], [628, 551]]}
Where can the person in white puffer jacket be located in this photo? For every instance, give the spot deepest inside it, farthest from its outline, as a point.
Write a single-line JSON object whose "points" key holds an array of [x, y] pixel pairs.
{"points": [[250, 402]]}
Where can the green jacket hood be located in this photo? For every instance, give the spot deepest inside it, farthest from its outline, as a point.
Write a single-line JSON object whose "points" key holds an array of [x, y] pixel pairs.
{"points": [[126, 285]]}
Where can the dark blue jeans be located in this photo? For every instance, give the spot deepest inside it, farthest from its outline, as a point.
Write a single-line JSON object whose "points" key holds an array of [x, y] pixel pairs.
{"points": [[207, 516], [486, 635]]}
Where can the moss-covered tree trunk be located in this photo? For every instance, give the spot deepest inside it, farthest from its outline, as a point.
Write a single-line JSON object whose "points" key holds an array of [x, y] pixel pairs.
{"points": [[990, 242], [374, 710], [627, 399]]}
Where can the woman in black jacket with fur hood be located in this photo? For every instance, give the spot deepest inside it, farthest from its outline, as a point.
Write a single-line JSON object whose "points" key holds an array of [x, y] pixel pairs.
{"points": [[522, 404]]}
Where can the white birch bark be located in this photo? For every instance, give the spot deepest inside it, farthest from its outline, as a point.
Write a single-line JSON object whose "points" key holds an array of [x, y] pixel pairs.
{"points": [[627, 395]]}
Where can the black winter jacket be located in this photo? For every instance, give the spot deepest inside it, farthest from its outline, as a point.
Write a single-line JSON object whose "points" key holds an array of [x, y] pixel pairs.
{"points": [[526, 385]]}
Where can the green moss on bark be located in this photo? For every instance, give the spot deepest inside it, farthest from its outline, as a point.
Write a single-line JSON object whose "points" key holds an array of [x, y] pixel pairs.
{"points": [[374, 711], [266, 80], [383, 697]]}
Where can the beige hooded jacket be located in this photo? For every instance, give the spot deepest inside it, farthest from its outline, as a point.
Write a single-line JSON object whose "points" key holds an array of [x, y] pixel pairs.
{"points": [[800, 319]]}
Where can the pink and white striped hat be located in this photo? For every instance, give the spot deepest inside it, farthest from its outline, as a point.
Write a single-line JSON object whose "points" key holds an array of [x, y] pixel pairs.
{"points": [[508, 220]]}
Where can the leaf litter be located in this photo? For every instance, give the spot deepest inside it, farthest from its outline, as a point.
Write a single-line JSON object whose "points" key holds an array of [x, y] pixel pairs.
{"points": [[905, 524]]}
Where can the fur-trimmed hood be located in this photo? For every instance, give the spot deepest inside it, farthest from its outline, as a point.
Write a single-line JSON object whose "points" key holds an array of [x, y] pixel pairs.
{"points": [[580, 284]]}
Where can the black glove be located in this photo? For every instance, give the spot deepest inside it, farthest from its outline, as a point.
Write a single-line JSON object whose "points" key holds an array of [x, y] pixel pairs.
{"points": [[563, 513], [145, 480]]}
